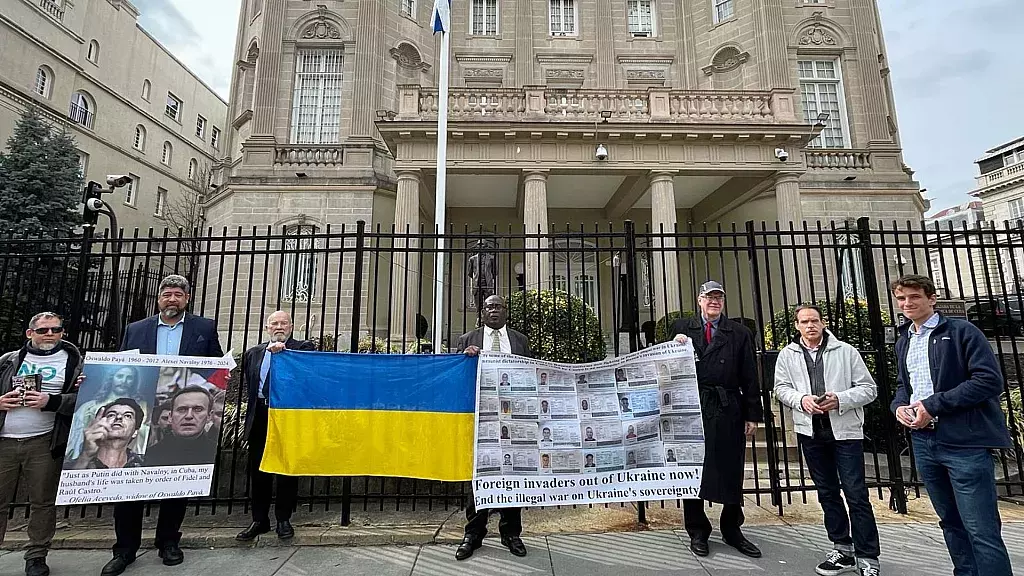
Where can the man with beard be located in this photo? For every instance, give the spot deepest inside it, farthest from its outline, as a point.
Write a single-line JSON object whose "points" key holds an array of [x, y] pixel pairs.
{"points": [[493, 336], [730, 402], [108, 436], [34, 428], [188, 444], [256, 379], [172, 332]]}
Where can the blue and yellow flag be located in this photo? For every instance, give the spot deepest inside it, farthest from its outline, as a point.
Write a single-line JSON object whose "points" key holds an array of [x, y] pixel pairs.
{"points": [[404, 415]]}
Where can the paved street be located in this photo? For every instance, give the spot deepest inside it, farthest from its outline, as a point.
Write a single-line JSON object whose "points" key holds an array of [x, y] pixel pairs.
{"points": [[912, 549]]}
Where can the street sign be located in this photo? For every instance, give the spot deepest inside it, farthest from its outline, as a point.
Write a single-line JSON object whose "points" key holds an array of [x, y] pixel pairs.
{"points": [[952, 308]]}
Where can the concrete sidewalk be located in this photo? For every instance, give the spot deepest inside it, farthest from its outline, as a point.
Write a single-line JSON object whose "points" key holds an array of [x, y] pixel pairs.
{"points": [[911, 549]]}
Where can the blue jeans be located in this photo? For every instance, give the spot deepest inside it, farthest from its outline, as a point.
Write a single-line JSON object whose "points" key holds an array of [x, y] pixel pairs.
{"points": [[839, 465], [961, 484]]}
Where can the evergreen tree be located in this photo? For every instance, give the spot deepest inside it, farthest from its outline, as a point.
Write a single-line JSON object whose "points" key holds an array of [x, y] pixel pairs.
{"points": [[40, 182]]}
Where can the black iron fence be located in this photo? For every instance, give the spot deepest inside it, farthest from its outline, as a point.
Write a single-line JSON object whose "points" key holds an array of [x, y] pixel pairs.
{"points": [[580, 294]]}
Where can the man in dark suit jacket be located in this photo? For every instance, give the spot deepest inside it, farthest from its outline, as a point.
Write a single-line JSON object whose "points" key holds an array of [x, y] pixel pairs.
{"points": [[172, 332], [493, 336], [256, 379], [730, 403]]}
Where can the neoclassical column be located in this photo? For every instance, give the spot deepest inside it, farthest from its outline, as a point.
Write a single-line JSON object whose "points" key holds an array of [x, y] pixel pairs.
{"points": [[267, 70], [369, 66], [664, 259], [405, 264], [535, 218], [787, 200]]}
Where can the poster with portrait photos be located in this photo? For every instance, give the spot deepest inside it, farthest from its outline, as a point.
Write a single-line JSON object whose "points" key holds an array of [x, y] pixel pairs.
{"points": [[623, 429], [145, 427]]}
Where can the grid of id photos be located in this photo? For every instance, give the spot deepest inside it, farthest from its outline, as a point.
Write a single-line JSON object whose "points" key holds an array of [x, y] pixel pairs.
{"points": [[539, 420]]}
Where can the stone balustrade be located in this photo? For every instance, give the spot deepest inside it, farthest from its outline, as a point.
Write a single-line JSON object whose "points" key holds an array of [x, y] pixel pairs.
{"points": [[549, 104], [1007, 173], [826, 159], [309, 155]]}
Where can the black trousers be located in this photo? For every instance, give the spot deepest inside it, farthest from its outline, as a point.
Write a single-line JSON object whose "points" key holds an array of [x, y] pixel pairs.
{"points": [[695, 520], [128, 525], [511, 523], [261, 484]]}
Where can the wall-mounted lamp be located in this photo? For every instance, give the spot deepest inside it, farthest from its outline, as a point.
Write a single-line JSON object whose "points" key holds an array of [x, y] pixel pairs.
{"points": [[520, 276], [822, 119], [300, 174], [605, 115]]}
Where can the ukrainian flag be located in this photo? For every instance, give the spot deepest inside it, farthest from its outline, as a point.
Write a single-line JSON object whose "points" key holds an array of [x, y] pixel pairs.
{"points": [[404, 415]]}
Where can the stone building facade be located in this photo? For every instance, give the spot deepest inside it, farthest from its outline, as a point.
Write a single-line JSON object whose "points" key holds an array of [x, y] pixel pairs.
{"points": [[662, 112], [131, 106]]}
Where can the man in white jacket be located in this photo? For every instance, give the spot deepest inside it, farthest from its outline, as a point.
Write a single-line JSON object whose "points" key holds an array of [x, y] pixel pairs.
{"points": [[826, 383]]}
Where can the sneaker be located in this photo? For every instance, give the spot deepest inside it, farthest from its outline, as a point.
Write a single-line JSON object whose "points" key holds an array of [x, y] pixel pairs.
{"points": [[866, 570], [837, 563]]}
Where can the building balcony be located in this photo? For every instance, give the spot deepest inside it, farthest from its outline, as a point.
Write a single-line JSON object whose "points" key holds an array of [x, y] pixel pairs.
{"points": [[835, 159], [315, 155], [53, 8], [1013, 173], [547, 104]]}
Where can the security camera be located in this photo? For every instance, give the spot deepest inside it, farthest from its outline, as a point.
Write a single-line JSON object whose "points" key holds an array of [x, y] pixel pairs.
{"points": [[601, 153], [118, 180], [781, 154]]}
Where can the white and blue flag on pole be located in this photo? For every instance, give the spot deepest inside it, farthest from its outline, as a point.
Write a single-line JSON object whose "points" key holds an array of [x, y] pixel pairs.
{"points": [[441, 21]]}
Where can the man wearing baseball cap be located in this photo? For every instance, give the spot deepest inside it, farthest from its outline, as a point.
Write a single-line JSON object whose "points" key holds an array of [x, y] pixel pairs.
{"points": [[730, 402]]}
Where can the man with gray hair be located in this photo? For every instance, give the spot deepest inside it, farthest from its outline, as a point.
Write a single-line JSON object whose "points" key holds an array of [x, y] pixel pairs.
{"points": [[172, 332], [38, 392]]}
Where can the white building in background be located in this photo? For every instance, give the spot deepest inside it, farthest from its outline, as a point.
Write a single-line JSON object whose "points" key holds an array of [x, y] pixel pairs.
{"points": [[1000, 187], [132, 107], [957, 269]]}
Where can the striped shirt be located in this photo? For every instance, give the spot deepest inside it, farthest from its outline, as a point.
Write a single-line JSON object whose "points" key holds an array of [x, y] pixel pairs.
{"points": [[918, 364]]}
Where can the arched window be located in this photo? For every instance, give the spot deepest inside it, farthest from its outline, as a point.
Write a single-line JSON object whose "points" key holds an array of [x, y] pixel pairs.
{"points": [[44, 81], [165, 157], [574, 269], [193, 168], [93, 54], [147, 87], [82, 111], [140, 138], [301, 262]]}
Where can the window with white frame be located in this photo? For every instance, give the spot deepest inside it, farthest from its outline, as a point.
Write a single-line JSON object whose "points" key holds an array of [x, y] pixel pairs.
{"points": [[165, 155], [147, 87], [140, 138], [131, 191], [200, 127], [722, 10], [937, 275], [173, 107], [563, 17], [300, 263], [316, 103], [821, 91], [484, 18], [93, 54], [161, 202], [83, 163], [193, 168], [1016, 210], [1012, 157], [574, 269], [44, 81], [640, 14], [81, 110], [408, 8], [215, 138]]}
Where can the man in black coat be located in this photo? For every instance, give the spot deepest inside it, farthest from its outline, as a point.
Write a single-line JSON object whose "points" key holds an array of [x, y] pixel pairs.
{"points": [[730, 402], [256, 379], [493, 336], [172, 332]]}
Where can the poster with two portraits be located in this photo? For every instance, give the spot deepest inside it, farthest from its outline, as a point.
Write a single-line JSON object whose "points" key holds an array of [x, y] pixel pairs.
{"points": [[145, 427]]}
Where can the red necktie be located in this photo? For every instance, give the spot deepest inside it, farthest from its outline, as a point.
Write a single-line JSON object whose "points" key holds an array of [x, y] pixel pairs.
{"points": [[707, 332]]}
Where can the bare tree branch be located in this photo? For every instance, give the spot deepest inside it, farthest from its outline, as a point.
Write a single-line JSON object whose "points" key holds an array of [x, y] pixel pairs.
{"points": [[185, 217]]}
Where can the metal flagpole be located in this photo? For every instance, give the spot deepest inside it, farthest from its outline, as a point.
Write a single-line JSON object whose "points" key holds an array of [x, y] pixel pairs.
{"points": [[441, 23]]}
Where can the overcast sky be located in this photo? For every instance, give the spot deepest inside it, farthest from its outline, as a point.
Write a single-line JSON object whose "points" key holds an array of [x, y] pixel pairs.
{"points": [[956, 67]]}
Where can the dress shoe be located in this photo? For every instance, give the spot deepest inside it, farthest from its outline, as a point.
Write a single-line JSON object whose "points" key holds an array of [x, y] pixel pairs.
{"points": [[699, 546], [116, 565], [285, 530], [254, 530], [746, 547], [36, 567], [514, 544], [171, 554], [465, 550]]}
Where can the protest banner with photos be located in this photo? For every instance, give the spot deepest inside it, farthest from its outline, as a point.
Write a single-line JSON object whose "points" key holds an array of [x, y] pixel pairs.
{"points": [[623, 429], [145, 428]]}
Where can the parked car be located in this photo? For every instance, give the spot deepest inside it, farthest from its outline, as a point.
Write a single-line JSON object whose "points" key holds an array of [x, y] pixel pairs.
{"points": [[997, 315]]}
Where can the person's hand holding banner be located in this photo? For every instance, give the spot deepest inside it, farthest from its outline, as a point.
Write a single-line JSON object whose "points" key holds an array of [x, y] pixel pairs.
{"points": [[471, 351]]}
